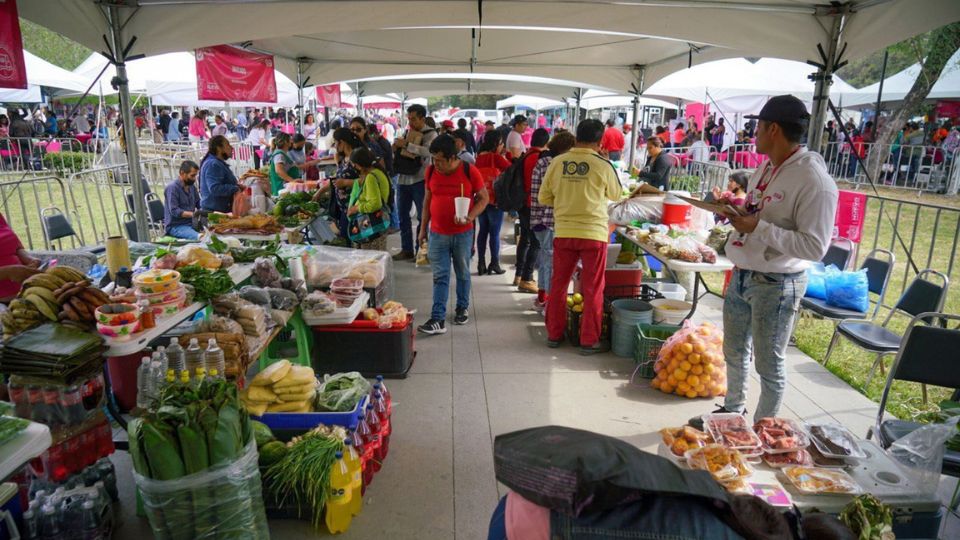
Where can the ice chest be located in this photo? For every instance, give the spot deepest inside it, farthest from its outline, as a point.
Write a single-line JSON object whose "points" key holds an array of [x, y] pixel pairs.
{"points": [[286, 426], [622, 283], [365, 347]]}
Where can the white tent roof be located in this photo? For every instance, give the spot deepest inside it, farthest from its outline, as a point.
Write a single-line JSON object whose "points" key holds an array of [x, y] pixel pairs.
{"points": [[533, 37], [173, 67], [55, 78], [595, 99], [725, 81], [349, 100], [442, 84], [896, 87], [532, 102], [184, 93], [12, 95]]}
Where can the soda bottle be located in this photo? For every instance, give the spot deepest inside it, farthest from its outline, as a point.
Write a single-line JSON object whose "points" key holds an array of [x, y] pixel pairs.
{"points": [[352, 459], [376, 437], [380, 406], [21, 402], [193, 357], [143, 383], [51, 402], [366, 457], [108, 476], [71, 403], [38, 410], [213, 360], [49, 523], [90, 521], [338, 514], [175, 356]]}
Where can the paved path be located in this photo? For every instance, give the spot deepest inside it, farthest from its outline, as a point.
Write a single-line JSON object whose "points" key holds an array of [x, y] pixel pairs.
{"points": [[496, 375]]}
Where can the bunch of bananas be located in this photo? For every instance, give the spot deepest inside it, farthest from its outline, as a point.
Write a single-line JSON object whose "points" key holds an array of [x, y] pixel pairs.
{"points": [[61, 293]]}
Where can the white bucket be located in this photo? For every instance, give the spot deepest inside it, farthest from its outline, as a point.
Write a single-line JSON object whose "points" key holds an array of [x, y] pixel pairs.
{"points": [[667, 311]]}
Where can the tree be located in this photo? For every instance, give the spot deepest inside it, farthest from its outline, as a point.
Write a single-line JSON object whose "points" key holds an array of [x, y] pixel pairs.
{"points": [[51, 46], [940, 46]]}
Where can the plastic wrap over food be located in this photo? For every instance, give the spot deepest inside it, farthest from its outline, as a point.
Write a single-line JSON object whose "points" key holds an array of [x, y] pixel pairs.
{"points": [[220, 502], [324, 264], [627, 211], [265, 273], [282, 299]]}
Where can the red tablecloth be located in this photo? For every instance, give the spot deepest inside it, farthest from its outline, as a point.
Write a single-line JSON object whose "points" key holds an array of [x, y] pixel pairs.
{"points": [[84, 138], [746, 159]]}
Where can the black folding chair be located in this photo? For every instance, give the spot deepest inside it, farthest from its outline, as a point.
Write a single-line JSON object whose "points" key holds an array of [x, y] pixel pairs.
{"points": [[879, 265], [923, 358], [921, 296], [130, 225], [839, 253]]}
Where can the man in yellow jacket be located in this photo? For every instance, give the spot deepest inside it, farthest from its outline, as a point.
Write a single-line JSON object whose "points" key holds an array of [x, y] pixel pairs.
{"points": [[578, 186]]}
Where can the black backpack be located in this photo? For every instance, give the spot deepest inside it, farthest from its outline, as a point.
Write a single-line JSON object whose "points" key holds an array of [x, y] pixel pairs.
{"points": [[510, 188], [407, 165]]}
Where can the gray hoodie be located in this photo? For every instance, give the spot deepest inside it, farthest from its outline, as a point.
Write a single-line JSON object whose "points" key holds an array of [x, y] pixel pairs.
{"points": [[797, 217]]}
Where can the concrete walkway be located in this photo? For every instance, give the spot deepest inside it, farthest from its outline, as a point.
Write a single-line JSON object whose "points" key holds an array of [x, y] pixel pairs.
{"points": [[495, 375]]}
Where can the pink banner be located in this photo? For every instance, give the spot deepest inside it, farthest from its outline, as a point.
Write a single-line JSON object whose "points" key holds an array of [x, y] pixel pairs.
{"points": [[695, 113], [13, 73], [851, 210], [226, 73], [329, 95], [948, 109]]}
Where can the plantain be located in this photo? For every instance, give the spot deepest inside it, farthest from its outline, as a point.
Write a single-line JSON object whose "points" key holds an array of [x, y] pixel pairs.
{"points": [[20, 303], [42, 292], [67, 273], [102, 296], [82, 309], [71, 313], [47, 281], [26, 314], [70, 292], [42, 306], [91, 298]]}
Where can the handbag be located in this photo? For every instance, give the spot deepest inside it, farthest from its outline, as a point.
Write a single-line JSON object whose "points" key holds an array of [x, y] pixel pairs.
{"points": [[366, 227]]}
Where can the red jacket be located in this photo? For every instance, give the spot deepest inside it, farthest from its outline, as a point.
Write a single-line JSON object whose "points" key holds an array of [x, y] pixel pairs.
{"points": [[612, 140]]}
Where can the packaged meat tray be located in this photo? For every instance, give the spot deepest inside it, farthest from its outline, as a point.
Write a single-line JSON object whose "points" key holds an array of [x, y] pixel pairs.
{"points": [[819, 460], [814, 481], [731, 430], [725, 464], [835, 441], [780, 435], [788, 459]]}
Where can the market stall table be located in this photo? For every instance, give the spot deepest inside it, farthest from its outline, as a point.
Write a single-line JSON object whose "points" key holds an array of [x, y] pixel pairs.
{"points": [[30, 443], [673, 266]]}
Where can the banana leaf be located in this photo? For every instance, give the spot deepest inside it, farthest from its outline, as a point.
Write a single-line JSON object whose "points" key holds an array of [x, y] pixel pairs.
{"points": [[163, 455], [227, 445], [136, 450]]}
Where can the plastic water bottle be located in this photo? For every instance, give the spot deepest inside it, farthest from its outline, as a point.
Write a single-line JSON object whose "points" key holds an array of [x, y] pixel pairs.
{"points": [[162, 358], [156, 379], [352, 459], [213, 360], [338, 516], [193, 357], [31, 524], [376, 437], [49, 523], [175, 356], [90, 520], [143, 383]]}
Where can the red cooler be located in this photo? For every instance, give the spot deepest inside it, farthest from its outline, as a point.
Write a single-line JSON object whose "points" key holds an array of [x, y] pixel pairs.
{"points": [[676, 211]]}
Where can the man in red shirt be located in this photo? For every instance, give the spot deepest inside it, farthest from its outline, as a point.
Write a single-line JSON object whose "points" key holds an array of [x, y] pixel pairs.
{"points": [[612, 142], [450, 237], [678, 135]]}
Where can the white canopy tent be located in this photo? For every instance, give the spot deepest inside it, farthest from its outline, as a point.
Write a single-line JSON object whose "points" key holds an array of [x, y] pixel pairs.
{"points": [[42, 74], [441, 84], [388, 101], [594, 99], [741, 85], [530, 102], [896, 87], [622, 46], [185, 93]]}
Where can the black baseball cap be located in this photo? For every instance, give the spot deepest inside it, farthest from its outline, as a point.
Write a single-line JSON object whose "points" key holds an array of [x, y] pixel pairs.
{"points": [[784, 109], [518, 119]]}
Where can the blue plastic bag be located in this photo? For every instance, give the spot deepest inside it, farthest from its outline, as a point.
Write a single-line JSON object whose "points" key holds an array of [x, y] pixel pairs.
{"points": [[816, 287], [848, 290]]}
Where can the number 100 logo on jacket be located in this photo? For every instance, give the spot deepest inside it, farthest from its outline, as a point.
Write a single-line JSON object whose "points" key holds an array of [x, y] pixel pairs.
{"points": [[575, 168]]}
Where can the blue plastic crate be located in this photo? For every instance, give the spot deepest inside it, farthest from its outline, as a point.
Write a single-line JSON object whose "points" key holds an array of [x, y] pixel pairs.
{"points": [[288, 425]]}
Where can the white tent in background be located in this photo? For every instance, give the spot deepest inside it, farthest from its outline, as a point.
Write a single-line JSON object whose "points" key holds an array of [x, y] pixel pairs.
{"points": [[43, 74], [741, 85], [387, 101], [179, 66], [184, 93], [896, 87], [595, 99], [530, 102]]}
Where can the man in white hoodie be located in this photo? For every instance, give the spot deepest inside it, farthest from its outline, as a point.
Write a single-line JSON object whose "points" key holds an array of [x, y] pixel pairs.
{"points": [[791, 205]]}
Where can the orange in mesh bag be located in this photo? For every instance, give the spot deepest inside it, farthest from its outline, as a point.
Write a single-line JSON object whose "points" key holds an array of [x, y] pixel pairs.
{"points": [[691, 363]]}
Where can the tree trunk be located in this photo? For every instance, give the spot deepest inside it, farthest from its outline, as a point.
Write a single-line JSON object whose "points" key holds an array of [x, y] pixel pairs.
{"points": [[943, 43]]}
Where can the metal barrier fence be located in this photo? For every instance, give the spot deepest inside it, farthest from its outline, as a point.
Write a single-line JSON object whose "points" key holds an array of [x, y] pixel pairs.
{"points": [[920, 167], [59, 155]]}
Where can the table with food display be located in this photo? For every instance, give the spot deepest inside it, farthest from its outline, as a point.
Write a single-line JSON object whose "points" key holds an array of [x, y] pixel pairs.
{"points": [[246, 368]]}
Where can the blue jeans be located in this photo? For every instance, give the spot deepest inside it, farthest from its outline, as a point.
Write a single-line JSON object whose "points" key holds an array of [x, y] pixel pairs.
{"points": [[758, 314], [442, 249], [394, 214], [545, 261], [488, 225], [183, 231], [408, 196], [528, 249]]}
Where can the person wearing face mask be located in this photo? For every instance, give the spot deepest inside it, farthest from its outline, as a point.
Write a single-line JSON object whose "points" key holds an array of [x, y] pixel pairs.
{"points": [[217, 182], [181, 202]]}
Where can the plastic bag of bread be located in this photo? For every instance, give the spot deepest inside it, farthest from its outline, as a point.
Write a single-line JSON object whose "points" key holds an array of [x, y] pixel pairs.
{"points": [[222, 325], [297, 376], [272, 373]]}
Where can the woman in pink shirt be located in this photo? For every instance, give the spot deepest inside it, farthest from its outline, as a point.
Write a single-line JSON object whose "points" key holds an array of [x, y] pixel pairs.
{"points": [[198, 127]]}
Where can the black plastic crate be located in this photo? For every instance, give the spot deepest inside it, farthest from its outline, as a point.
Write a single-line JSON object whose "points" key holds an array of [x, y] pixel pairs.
{"points": [[573, 326], [363, 346]]}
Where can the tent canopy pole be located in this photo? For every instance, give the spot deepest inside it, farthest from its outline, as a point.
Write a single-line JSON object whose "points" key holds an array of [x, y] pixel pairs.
{"points": [[637, 90], [120, 54], [829, 63]]}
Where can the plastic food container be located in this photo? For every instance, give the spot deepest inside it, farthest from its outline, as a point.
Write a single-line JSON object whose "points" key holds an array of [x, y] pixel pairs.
{"points": [[788, 459], [167, 309], [121, 332], [773, 430], [174, 295], [814, 481], [732, 431], [117, 314], [666, 311], [724, 464], [156, 281], [828, 437]]}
